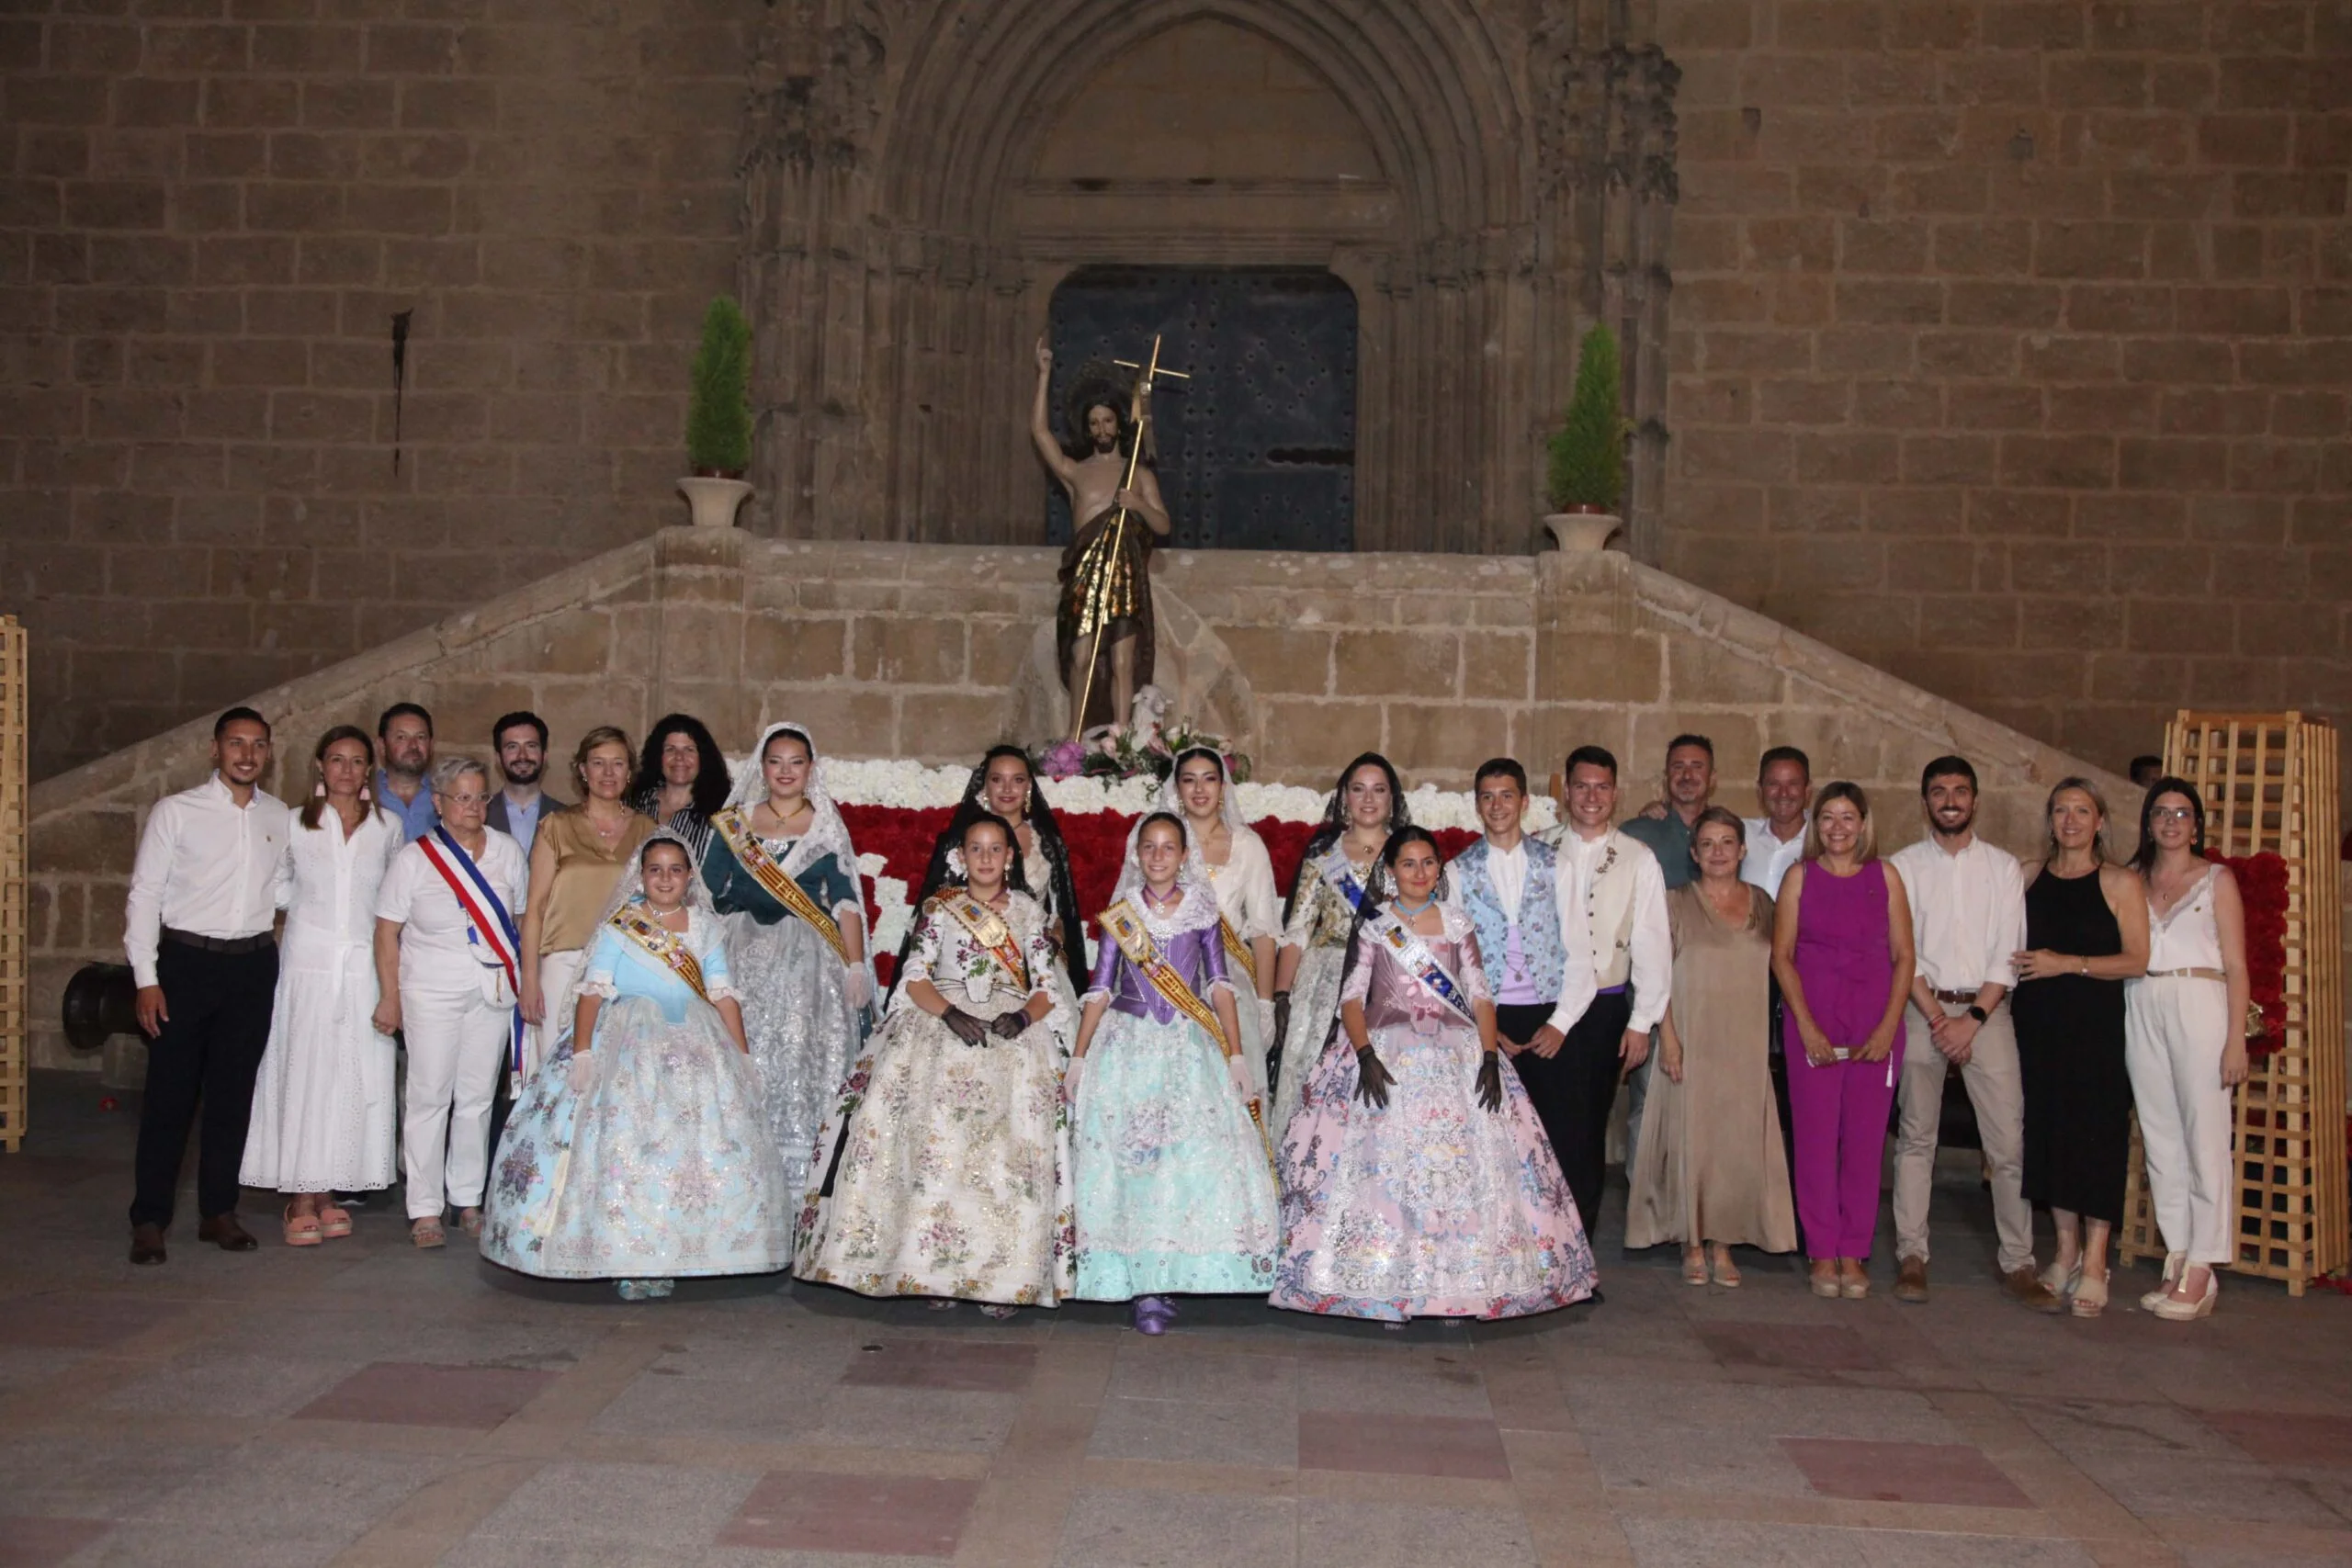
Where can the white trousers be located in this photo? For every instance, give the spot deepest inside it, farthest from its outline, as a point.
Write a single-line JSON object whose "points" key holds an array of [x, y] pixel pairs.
{"points": [[559, 989], [1997, 1092], [2175, 1030], [457, 1044]]}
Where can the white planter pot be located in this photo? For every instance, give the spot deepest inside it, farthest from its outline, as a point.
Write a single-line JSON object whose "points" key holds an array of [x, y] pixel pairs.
{"points": [[1582, 532], [715, 502]]}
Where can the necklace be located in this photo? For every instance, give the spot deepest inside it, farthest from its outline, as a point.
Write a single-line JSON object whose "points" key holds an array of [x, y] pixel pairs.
{"points": [[1156, 902], [1415, 914]]}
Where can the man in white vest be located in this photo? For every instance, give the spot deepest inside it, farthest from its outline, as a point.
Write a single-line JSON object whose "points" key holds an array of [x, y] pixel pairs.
{"points": [[1574, 1087], [1527, 908]]}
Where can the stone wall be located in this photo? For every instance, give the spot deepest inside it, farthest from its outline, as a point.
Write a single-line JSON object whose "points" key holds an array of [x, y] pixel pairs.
{"points": [[2012, 344], [926, 651], [209, 212]]}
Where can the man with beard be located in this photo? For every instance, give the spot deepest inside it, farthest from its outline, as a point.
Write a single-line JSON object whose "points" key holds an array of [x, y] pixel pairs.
{"points": [[1105, 581], [1967, 919], [1665, 828], [404, 738], [521, 742]]}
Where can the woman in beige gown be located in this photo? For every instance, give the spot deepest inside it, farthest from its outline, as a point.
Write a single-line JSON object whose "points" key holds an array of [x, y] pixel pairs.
{"points": [[1712, 1168]]}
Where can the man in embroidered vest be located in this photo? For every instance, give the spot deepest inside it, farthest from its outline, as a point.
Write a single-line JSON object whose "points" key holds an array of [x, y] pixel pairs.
{"points": [[1528, 910], [1633, 959]]}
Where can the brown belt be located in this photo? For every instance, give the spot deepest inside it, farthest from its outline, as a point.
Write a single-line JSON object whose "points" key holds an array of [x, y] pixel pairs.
{"points": [[2189, 974], [253, 943], [1957, 999]]}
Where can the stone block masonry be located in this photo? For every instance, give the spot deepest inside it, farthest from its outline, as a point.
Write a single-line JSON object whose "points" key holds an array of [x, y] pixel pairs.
{"points": [[208, 213], [925, 651], [2011, 348]]}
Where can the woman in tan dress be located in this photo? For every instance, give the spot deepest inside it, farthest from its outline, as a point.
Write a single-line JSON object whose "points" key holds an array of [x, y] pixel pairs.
{"points": [[1711, 1172], [577, 858]]}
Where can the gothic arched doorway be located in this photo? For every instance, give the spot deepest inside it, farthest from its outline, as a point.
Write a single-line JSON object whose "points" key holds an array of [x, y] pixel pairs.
{"points": [[1256, 447]]}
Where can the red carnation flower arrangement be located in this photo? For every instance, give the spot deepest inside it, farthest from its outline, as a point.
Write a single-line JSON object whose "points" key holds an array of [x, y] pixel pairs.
{"points": [[2262, 889]]}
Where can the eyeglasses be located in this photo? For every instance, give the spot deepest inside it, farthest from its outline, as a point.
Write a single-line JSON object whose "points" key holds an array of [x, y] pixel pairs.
{"points": [[2173, 814], [467, 800]]}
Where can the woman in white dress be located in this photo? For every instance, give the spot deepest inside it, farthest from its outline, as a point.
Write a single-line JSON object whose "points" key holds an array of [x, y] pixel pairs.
{"points": [[944, 1170], [2185, 1047], [322, 1102], [783, 877], [1227, 854], [1319, 923]]}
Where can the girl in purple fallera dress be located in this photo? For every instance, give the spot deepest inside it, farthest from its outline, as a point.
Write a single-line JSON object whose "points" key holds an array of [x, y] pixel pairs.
{"points": [[1416, 1179], [1175, 1191]]}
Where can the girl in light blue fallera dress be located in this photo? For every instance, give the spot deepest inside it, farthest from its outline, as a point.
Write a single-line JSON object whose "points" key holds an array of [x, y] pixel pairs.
{"points": [[639, 1152], [1174, 1182]]}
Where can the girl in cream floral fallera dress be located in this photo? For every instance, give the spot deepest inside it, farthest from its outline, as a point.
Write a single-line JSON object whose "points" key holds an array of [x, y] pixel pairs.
{"points": [[943, 1170]]}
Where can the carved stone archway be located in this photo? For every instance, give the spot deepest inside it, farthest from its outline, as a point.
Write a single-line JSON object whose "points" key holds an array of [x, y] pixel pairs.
{"points": [[898, 265]]}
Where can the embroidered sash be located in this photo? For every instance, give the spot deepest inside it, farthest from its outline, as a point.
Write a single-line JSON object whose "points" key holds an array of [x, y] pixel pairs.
{"points": [[1123, 925], [487, 925], [987, 928], [1413, 955], [666, 946], [1238, 949], [1341, 876], [734, 824]]}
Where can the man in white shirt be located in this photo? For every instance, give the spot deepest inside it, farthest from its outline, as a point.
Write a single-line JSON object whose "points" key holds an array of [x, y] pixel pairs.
{"points": [[1776, 839], [1967, 919], [1573, 1086], [200, 929]]}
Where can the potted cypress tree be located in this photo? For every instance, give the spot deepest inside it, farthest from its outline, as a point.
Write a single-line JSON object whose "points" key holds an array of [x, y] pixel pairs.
{"points": [[1586, 476], [718, 417]]}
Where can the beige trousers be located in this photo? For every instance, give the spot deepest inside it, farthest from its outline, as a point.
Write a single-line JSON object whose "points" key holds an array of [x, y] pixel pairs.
{"points": [[1999, 1094]]}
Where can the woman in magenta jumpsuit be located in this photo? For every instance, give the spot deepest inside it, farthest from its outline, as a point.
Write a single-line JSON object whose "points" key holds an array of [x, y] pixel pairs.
{"points": [[1841, 950]]}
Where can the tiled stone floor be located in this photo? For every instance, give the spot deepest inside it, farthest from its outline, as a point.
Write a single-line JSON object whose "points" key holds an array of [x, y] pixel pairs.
{"points": [[367, 1404]]}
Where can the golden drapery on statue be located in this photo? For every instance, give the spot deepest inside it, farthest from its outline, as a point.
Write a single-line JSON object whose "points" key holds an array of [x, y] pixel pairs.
{"points": [[1115, 580]]}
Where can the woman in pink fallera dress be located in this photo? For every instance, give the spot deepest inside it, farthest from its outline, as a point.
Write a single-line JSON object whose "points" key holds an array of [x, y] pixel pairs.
{"points": [[1415, 1180]]}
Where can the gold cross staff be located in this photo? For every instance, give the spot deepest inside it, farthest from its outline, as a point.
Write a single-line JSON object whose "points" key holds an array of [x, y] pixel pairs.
{"points": [[1138, 415]]}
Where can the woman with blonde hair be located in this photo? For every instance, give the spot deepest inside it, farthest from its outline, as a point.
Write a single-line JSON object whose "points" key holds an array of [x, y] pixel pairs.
{"points": [[1841, 950], [577, 859], [2085, 934]]}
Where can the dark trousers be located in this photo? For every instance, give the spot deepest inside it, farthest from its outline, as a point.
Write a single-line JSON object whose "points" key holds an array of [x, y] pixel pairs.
{"points": [[208, 1054], [1573, 1093]]}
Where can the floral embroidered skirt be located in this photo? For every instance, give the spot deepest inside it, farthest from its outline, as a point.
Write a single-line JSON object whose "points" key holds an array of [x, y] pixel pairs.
{"points": [[1431, 1207], [665, 1168], [945, 1169], [1314, 1007], [1175, 1190]]}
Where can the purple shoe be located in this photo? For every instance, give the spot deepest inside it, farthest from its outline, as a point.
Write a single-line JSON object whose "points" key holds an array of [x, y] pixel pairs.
{"points": [[1153, 1314]]}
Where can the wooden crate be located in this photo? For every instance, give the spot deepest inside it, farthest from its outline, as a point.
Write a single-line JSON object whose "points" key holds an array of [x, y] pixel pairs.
{"points": [[14, 812], [2269, 782]]}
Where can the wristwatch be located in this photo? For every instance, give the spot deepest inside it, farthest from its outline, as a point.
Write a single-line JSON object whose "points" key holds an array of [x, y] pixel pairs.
{"points": [[1977, 1012]]}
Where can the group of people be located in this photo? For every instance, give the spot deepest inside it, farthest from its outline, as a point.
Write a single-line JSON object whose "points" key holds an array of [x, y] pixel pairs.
{"points": [[1388, 1096]]}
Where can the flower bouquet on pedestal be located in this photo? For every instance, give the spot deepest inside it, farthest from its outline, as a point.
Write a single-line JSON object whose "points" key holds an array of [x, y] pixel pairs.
{"points": [[1145, 747]]}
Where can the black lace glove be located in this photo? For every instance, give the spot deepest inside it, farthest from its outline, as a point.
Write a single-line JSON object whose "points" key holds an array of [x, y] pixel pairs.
{"points": [[1281, 1017], [1009, 1025], [967, 1028], [1373, 1079], [1491, 1081]]}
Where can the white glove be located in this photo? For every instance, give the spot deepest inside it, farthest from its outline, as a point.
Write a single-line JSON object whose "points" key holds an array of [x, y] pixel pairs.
{"points": [[1266, 1020], [583, 1070], [857, 984], [1070, 1075], [1234, 1066]]}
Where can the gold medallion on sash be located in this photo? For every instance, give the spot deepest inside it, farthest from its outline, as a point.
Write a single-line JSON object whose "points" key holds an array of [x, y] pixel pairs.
{"points": [[988, 928], [664, 944], [1123, 925]]}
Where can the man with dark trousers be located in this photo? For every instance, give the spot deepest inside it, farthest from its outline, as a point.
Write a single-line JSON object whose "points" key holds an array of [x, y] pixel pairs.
{"points": [[1527, 906], [1574, 1085], [200, 933]]}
